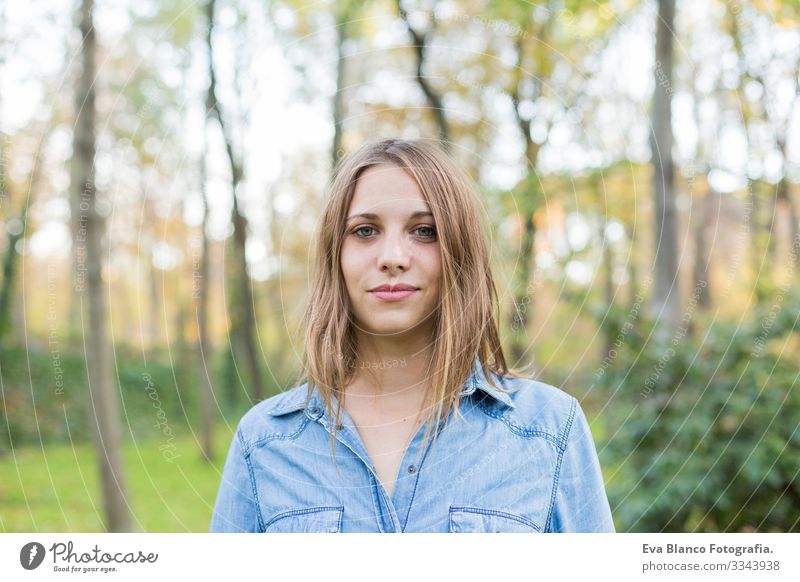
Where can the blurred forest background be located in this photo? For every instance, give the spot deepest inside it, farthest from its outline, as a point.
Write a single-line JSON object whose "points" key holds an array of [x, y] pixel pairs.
{"points": [[162, 165]]}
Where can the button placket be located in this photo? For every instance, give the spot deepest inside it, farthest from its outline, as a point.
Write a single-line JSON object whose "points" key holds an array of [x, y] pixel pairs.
{"points": [[409, 475], [405, 489], [387, 515]]}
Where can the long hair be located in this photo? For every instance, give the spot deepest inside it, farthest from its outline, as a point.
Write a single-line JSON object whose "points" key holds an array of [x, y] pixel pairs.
{"points": [[464, 323]]}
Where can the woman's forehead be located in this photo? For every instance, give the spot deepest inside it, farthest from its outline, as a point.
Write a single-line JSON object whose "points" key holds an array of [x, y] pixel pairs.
{"points": [[386, 189], [410, 214]]}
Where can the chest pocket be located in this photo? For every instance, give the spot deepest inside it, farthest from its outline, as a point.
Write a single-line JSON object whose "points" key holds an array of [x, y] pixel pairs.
{"points": [[307, 520], [481, 520]]}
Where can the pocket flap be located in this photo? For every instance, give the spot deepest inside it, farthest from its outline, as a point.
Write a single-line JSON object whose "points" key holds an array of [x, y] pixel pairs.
{"points": [[482, 520], [307, 520]]}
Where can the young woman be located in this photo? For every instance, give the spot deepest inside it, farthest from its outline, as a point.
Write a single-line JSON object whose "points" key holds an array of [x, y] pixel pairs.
{"points": [[409, 419]]}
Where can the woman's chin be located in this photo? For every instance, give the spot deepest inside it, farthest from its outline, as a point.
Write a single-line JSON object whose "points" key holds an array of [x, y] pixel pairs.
{"points": [[394, 328]]}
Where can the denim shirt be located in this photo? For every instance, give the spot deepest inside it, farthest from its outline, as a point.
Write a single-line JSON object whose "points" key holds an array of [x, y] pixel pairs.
{"points": [[521, 462]]}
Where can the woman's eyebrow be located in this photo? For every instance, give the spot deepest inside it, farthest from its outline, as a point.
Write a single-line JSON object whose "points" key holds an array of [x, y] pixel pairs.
{"points": [[371, 216]]}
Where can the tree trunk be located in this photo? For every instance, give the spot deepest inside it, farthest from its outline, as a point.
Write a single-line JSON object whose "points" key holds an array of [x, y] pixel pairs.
{"points": [[9, 273], [784, 198], [433, 98], [342, 26], [771, 255], [10, 259], [755, 231], [8, 285], [246, 307], [702, 257], [666, 296], [200, 295], [523, 296], [752, 205], [152, 323], [522, 290], [608, 284], [92, 294], [633, 273]]}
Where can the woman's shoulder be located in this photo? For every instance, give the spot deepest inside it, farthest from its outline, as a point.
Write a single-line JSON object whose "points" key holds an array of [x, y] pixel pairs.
{"points": [[536, 407], [273, 417]]}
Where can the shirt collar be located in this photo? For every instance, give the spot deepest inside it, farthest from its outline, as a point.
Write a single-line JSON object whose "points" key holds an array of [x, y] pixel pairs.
{"points": [[477, 381], [298, 399]]}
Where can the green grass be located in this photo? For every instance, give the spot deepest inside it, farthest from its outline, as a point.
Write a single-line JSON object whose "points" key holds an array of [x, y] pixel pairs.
{"points": [[56, 488]]}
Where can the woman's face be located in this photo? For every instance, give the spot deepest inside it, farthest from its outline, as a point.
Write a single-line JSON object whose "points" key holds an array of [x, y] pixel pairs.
{"points": [[390, 254]]}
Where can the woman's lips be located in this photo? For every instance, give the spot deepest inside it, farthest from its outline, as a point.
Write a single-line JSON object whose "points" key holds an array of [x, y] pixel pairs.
{"points": [[393, 295]]}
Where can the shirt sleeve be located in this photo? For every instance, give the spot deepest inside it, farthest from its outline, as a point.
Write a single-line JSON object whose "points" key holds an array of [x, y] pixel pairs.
{"points": [[580, 503], [236, 508]]}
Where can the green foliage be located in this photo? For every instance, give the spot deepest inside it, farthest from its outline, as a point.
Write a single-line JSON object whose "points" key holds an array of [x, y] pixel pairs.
{"points": [[705, 430], [46, 399]]}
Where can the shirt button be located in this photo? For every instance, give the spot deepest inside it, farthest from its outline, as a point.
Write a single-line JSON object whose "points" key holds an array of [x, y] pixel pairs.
{"points": [[314, 411], [412, 469], [339, 427]]}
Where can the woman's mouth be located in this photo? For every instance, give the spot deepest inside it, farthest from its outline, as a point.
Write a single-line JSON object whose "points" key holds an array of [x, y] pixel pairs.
{"points": [[393, 293]]}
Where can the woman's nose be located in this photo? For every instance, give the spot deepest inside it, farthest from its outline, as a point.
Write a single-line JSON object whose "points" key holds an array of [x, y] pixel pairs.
{"points": [[394, 254]]}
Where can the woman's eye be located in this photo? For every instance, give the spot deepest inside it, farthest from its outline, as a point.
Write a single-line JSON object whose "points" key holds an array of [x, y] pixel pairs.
{"points": [[360, 231], [426, 231], [366, 231]]}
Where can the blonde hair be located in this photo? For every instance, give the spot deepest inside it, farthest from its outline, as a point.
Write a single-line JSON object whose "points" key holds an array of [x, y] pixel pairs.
{"points": [[465, 326]]}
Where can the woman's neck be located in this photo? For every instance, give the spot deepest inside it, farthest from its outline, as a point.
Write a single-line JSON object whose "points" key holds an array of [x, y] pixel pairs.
{"points": [[391, 373]]}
